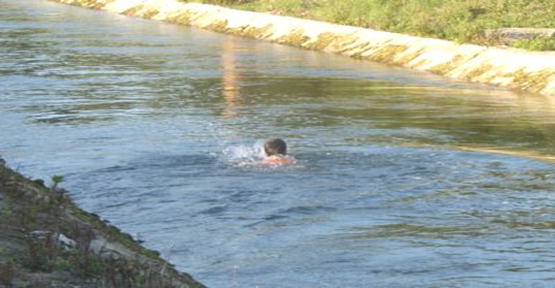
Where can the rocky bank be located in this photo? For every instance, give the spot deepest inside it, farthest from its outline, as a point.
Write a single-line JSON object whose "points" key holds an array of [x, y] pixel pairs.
{"points": [[47, 241]]}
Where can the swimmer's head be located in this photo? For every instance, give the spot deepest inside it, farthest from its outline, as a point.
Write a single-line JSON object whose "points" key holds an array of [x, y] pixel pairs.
{"points": [[275, 146]]}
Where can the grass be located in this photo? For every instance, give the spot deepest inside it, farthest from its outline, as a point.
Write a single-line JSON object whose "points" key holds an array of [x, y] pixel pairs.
{"points": [[463, 21], [537, 44], [32, 218], [7, 274]]}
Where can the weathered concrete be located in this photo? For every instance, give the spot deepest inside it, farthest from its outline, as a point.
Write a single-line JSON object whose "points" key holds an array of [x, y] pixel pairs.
{"points": [[514, 68], [509, 35]]}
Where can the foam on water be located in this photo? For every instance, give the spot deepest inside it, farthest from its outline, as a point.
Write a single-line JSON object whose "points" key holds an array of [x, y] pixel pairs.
{"points": [[244, 155], [251, 157]]}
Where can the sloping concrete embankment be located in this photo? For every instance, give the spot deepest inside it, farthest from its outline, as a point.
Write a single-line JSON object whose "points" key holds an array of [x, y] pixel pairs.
{"points": [[514, 68]]}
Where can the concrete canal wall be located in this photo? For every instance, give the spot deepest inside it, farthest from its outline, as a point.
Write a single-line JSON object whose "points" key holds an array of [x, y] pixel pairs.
{"points": [[508, 67]]}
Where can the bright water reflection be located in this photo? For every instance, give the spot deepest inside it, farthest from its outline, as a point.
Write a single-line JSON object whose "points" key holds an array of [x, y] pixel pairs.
{"points": [[141, 116]]}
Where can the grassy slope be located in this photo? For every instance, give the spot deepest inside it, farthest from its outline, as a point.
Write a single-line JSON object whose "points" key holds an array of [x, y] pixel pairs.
{"points": [[27, 260], [456, 20]]}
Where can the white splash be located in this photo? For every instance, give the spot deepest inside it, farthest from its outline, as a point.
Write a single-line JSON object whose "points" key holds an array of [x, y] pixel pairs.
{"points": [[244, 155]]}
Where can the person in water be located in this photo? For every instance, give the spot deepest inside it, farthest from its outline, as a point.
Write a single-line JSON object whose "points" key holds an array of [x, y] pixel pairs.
{"points": [[276, 152]]}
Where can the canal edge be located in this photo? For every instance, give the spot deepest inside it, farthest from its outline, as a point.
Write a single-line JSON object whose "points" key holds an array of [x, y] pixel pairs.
{"points": [[506, 67], [48, 240]]}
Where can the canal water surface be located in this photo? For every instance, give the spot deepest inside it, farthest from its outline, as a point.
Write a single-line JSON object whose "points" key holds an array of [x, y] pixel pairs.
{"points": [[398, 182]]}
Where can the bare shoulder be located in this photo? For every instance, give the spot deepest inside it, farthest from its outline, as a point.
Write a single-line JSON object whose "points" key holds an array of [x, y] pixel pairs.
{"points": [[278, 160]]}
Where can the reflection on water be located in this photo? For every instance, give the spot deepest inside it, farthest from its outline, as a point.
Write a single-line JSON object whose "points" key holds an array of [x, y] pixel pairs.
{"points": [[230, 78], [402, 177]]}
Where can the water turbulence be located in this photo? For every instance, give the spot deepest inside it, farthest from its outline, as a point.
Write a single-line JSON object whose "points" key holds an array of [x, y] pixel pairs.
{"points": [[254, 157], [244, 155], [402, 178]]}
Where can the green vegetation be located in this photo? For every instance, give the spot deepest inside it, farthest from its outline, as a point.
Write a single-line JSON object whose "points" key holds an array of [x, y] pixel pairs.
{"points": [[536, 44], [456, 20], [47, 241]]}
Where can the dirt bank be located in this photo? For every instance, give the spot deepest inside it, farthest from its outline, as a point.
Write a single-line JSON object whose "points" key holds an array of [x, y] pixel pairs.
{"points": [[47, 241]]}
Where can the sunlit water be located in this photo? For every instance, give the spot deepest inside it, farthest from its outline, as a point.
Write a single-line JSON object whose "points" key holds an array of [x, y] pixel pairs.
{"points": [[158, 129]]}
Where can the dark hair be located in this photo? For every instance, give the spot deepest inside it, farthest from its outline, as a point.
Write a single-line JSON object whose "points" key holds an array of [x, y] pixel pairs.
{"points": [[275, 146]]}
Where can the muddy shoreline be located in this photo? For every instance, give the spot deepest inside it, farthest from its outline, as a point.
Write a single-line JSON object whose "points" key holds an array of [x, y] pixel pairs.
{"points": [[47, 241]]}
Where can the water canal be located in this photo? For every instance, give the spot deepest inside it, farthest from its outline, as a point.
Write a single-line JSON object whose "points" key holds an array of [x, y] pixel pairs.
{"points": [[154, 127]]}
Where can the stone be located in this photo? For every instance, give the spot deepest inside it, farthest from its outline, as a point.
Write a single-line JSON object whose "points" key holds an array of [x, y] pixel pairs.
{"points": [[509, 35]]}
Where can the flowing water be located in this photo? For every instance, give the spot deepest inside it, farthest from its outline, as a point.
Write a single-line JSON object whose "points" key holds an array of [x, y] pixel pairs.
{"points": [[403, 179]]}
